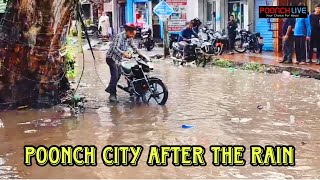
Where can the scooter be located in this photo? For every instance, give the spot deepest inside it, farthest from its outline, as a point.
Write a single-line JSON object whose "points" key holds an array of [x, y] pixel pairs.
{"points": [[147, 39]]}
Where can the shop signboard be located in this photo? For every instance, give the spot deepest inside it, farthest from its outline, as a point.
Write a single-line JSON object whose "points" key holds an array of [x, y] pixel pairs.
{"points": [[163, 10], [179, 17]]}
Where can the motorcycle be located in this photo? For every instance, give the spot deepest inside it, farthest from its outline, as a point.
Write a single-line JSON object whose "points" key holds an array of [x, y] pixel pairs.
{"points": [[173, 39], [92, 31], [220, 41], [217, 39], [199, 51], [147, 39], [248, 41], [140, 84]]}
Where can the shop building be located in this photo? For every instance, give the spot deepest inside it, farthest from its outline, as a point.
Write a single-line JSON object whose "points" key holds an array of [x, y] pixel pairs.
{"points": [[278, 23], [87, 8], [213, 12]]}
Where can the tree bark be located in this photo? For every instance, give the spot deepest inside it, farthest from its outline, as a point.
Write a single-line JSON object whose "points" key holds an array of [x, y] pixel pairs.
{"points": [[31, 69]]}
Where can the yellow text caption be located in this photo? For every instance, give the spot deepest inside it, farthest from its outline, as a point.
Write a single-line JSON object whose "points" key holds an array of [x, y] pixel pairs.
{"points": [[62, 155]]}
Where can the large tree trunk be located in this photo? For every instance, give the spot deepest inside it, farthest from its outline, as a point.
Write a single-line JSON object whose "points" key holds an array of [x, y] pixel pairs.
{"points": [[31, 70]]}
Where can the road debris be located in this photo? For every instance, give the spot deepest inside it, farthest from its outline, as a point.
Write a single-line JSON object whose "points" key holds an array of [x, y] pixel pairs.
{"points": [[185, 126], [1, 124], [30, 131]]}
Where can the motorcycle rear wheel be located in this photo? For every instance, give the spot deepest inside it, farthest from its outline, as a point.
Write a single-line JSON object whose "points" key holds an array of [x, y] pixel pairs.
{"points": [[153, 95], [238, 46]]}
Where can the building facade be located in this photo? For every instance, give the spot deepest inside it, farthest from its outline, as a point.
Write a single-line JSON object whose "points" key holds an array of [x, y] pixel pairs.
{"points": [[212, 12]]}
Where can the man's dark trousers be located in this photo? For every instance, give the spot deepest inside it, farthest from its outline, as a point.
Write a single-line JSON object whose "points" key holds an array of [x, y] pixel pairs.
{"points": [[314, 43], [288, 48], [300, 46], [115, 76], [232, 40]]}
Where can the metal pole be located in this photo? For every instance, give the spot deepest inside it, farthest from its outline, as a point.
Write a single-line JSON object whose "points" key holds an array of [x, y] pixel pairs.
{"points": [[165, 39]]}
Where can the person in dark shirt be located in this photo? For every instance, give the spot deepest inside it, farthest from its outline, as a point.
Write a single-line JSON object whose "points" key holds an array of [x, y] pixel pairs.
{"points": [[314, 34], [288, 40], [232, 33], [187, 32], [196, 25], [185, 37]]}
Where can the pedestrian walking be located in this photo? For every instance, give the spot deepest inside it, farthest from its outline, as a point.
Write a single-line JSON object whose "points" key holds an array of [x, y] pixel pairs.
{"points": [[104, 25], [314, 34], [300, 33], [288, 40], [232, 33]]}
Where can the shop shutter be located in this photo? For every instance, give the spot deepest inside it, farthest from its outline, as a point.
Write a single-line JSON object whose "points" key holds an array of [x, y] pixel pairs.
{"points": [[263, 27]]}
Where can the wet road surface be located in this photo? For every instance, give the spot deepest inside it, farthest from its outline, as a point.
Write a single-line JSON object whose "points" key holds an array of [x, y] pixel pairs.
{"points": [[221, 105]]}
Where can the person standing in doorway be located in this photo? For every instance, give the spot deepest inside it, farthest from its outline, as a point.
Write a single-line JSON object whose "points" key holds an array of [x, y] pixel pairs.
{"points": [[232, 33], [300, 32], [288, 40], [314, 34]]}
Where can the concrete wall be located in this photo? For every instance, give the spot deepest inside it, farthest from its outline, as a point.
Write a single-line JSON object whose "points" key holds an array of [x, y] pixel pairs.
{"points": [[115, 17], [193, 9]]}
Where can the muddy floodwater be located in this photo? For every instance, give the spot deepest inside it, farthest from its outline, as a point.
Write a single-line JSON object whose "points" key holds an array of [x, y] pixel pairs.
{"points": [[223, 106]]}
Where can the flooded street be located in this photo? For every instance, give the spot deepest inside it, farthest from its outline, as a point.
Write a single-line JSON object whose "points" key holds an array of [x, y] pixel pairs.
{"points": [[224, 107]]}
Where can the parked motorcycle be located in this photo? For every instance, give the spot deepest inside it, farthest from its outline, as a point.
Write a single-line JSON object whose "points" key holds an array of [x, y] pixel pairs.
{"points": [[92, 31], [145, 38], [221, 41], [199, 51], [216, 38], [140, 85], [173, 39], [248, 41]]}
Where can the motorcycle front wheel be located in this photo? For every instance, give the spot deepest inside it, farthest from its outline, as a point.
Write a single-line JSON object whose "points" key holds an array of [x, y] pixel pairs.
{"points": [[238, 46], [157, 93], [218, 50]]}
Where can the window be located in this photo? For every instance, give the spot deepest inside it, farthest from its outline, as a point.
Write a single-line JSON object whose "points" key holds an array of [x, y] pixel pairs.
{"points": [[141, 14], [209, 10]]}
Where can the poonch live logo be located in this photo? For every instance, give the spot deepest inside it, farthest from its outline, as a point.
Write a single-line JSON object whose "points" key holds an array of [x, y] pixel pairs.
{"points": [[283, 11]]}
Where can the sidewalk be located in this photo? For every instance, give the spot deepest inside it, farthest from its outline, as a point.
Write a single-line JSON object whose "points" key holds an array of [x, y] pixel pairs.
{"points": [[266, 58]]}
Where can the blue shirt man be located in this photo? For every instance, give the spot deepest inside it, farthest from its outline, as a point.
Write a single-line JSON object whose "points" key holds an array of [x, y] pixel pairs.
{"points": [[186, 33]]}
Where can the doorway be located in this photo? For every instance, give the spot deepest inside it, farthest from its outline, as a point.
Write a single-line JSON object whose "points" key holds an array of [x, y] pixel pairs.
{"points": [[209, 9], [236, 8], [141, 14]]}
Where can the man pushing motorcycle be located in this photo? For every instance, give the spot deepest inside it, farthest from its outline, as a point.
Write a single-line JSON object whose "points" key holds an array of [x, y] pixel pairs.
{"points": [[119, 50], [185, 37]]}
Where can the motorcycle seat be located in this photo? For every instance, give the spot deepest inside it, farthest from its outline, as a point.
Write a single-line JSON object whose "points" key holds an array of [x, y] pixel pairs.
{"points": [[182, 44], [257, 33]]}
